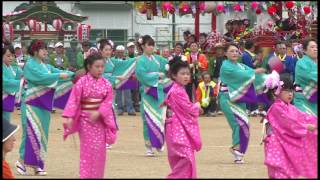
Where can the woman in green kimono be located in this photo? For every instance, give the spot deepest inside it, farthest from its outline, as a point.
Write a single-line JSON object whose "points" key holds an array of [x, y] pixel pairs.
{"points": [[11, 80], [306, 79], [237, 89], [117, 71], [36, 106], [150, 72]]}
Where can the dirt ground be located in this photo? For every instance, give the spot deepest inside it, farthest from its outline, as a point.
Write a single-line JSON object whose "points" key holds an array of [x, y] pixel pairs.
{"points": [[127, 157]]}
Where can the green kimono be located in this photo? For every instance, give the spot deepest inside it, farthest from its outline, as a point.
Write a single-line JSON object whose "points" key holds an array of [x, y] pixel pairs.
{"points": [[117, 67], [152, 95], [237, 89], [10, 87], [65, 62], [36, 107], [306, 78]]}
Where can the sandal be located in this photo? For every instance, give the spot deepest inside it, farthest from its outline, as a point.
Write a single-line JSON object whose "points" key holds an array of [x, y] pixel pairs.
{"points": [[39, 172], [239, 161], [21, 169]]}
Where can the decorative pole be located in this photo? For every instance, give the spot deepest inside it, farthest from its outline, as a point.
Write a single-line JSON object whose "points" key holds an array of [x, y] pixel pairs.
{"points": [[213, 22], [197, 18]]}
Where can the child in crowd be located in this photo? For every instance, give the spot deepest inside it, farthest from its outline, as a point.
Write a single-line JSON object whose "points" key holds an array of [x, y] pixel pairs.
{"points": [[291, 135], [207, 92], [181, 125], [89, 112], [8, 140]]}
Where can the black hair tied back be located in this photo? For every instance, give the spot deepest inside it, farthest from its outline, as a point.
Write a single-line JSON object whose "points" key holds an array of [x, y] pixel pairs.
{"points": [[91, 59], [176, 64]]}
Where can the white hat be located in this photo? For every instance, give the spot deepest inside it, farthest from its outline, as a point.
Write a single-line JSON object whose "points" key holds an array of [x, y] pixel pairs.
{"points": [[120, 48], [58, 44], [130, 44], [51, 45], [18, 45]]}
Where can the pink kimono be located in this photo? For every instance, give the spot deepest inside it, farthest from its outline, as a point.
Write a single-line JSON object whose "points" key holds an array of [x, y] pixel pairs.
{"points": [[290, 149], [182, 133], [91, 94]]}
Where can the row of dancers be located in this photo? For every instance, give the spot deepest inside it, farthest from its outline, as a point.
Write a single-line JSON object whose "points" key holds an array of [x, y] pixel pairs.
{"points": [[87, 100]]}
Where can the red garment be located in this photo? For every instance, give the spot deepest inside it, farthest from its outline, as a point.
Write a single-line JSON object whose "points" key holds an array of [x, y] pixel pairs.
{"points": [[203, 63], [6, 171]]}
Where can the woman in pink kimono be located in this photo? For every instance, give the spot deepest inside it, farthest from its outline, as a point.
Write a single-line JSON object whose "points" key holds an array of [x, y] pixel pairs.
{"points": [[182, 133], [89, 112], [291, 136]]}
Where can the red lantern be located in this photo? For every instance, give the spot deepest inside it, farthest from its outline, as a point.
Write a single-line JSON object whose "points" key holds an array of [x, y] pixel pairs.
{"points": [[254, 5], [220, 7], [57, 24], [202, 6], [83, 32], [258, 11], [167, 6], [237, 7], [289, 4], [32, 24], [7, 32], [38, 26], [185, 8], [272, 10], [306, 9]]}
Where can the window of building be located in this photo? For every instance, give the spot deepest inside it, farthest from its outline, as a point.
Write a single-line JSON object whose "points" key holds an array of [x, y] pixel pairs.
{"points": [[96, 34], [118, 36]]}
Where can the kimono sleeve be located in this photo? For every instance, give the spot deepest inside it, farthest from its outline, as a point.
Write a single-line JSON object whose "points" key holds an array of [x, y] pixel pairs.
{"points": [[34, 74], [146, 78], [163, 61], [183, 104], [73, 103], [57, 70], [53, 69], [107, 114], [121, 63], [19, 72], [105, 108], [287, 122], [112, 79], [312, 74], [11, 85]]}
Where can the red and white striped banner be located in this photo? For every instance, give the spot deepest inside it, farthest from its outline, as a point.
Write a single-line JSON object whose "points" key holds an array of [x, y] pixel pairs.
{"points": [[7, 31], [83, 32]]}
